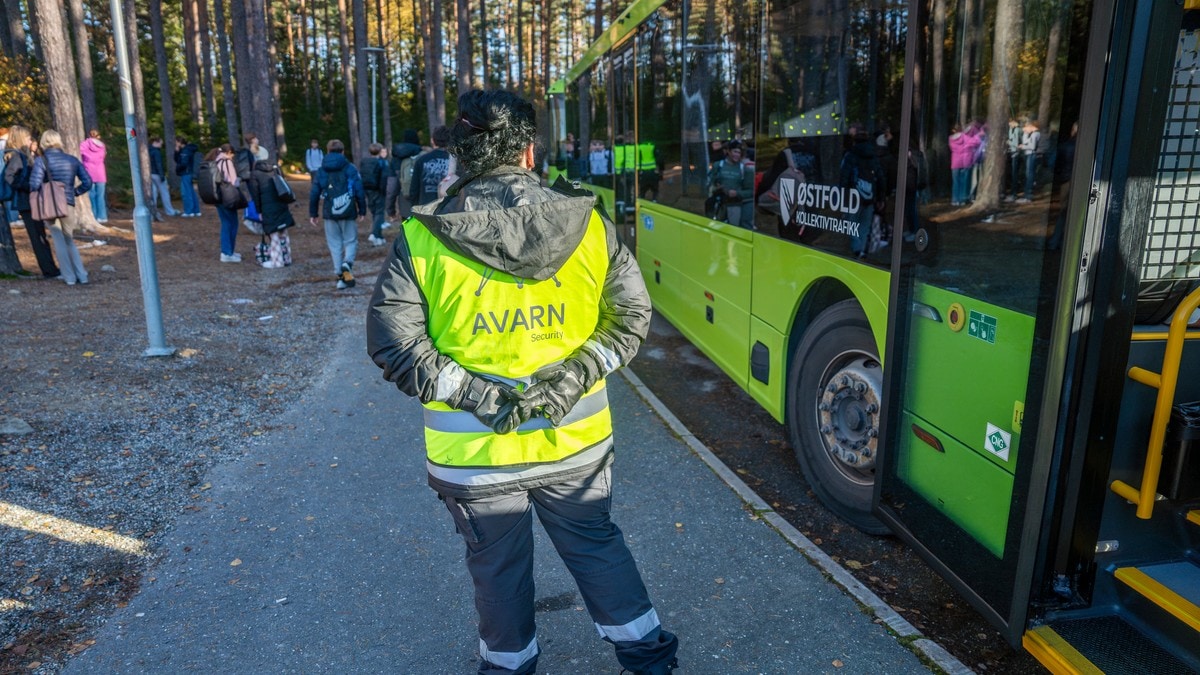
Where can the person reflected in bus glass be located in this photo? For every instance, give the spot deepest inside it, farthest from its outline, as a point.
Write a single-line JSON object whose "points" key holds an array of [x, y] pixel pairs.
{"points": [[962, 158], [1012, 150], [518, 421], [731, 180], [799, 162], [862, 171], [600, 160], [1031, 138]]}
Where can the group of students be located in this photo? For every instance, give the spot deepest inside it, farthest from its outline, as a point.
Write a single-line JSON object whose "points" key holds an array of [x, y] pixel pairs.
{"points": [[29, 164], [1023, 146]]}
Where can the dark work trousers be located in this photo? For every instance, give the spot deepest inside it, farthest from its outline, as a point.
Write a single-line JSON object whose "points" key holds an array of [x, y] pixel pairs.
{"points": [[40, 244], [375, 203], [391, 200], [499, 535]]}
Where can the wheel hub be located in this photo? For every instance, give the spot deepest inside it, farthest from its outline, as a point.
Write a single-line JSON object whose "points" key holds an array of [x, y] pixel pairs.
{"points": [[848, 412]]}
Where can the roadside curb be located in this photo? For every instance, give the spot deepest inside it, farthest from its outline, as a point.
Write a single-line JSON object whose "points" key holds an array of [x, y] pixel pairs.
{"points": [[923, 646]]}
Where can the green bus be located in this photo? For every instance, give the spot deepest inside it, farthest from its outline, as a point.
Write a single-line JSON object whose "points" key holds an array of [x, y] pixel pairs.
{"points": [[998, 200]]}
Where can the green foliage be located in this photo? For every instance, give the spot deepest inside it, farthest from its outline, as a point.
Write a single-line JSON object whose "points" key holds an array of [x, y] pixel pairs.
{"points": [[23, 96]]}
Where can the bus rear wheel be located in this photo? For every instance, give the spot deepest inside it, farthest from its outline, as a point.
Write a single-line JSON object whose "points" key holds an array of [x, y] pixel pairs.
{"points": [[835, 386]]}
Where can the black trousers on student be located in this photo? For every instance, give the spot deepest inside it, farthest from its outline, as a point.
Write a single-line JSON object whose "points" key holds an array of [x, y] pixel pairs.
{"points": [[40, 244]]}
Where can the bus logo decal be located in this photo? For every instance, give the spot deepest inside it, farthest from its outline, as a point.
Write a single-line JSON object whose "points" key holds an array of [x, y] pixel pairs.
{"points": [[982, 326], [997, 442]]}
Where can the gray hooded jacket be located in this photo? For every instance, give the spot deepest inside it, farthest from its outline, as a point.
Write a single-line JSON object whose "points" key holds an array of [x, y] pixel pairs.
{"points": [[507, 220]]}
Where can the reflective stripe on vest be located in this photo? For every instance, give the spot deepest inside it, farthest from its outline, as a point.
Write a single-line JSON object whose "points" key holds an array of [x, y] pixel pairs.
{"points": [[497, 325]]}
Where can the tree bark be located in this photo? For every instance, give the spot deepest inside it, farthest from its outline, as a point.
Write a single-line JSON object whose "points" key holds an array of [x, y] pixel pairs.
{"points": [[435, 81], [47, 16], [192, 60], [347, 81], [227, 92], [158, 40], [206, 64], [385, 113], [16, 28], [259, 77], [1006, 52], [1053, 42], [243, 66], [362, 77], [6, 40], [463, 54], [83, 60], [484, 51], [280, 144]]}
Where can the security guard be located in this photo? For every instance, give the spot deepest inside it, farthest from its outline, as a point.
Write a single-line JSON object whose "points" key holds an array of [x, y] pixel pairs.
{"points": [[502, 308]]}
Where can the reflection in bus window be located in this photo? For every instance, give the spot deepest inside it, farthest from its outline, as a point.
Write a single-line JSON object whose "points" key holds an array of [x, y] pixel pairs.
{"points": [[829, 64]]}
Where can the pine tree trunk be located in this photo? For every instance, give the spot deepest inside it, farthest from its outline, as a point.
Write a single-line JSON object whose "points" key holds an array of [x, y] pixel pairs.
{"points": [[164, 88], [362, 78], [47, 16], [259, 76], [484, 52], [227, 93], [6, 39], [347, 82], [435, 81], [16, 28], [463, 54], [243, 67], [305, 69], [191, 61], [280, 145], [383, 75], [206, 64], [83, 60]]}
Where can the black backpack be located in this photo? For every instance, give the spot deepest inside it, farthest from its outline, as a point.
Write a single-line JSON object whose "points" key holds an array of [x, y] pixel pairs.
{"points": [[208, 177], [243, 163], [372, 171], [338, 193], [8, 191]]}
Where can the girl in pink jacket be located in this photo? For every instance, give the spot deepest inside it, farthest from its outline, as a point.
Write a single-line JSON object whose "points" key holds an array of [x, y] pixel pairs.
{"points": [[962, 157], [92, 153]]}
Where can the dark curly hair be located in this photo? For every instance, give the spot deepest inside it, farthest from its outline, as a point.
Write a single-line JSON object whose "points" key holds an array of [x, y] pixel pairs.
{"points": [[493, 129]]}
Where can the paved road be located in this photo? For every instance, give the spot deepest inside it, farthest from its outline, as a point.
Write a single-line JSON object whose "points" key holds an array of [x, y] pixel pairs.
{"points": [[323, 550]]}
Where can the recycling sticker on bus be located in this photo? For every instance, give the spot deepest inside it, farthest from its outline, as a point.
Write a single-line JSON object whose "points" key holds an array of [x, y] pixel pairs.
{"points": [[998, 441]]}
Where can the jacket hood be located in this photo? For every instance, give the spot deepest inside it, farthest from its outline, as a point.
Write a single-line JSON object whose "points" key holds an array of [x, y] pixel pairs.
{"points": [[264, 165], [334, 161], [404, 150], [93, 143], [506, 219]]}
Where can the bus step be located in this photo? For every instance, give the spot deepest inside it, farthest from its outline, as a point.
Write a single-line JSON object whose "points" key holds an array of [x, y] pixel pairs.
{"points": [[1102, 644], [1175, 587]]}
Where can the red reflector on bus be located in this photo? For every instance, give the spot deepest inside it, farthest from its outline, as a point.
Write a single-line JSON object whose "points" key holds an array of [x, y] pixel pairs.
{"points": [[709, 296], [928, 438]]}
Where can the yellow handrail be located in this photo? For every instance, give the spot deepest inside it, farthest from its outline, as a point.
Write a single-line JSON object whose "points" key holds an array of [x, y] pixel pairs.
{"points": [[1165, 382]]}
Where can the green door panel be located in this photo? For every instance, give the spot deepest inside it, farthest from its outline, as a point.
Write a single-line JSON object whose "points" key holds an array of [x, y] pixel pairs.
{"points": [[967, 371], [958, 481]]}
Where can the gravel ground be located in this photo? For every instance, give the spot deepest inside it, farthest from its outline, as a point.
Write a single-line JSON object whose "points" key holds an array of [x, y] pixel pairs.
{"points": [[120, 443]]}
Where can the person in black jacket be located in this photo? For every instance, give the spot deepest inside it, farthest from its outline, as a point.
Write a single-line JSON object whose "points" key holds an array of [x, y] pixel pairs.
{"points": [[18, 169], [275, 211], [57, 165], [186, 155]]}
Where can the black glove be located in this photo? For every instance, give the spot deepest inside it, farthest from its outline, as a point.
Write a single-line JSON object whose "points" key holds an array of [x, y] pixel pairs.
{"points": [[558, 390], [493, 403]]}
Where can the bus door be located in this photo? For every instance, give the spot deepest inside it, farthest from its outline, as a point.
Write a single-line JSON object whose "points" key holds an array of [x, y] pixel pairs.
{"points": [[972, 342], [624, 142]]}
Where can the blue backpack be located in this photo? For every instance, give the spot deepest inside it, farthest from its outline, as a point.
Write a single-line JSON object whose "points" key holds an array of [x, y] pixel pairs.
{"points": [[8, 191]]}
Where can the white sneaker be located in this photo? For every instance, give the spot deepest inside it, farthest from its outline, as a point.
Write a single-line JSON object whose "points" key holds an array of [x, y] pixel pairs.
{"points": [[235, 258], [341, 284], [376, 241]]}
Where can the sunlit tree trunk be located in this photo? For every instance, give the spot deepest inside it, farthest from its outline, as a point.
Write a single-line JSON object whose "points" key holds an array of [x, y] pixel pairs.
{"points": [[279, 146], [435, 82], [16, 28], [1010, 20], [243, 65], [51, 33], [194, 61], [484, 50]]}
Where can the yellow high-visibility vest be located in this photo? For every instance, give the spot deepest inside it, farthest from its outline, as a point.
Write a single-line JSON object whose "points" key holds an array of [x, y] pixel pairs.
{"points": [[506, 328]]}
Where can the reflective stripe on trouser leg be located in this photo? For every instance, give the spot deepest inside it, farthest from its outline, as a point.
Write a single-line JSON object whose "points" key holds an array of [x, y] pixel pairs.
{"points": [[498, 532], [576, 517]]}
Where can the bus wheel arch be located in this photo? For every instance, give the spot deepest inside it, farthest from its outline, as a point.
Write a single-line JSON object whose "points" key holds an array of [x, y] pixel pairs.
{"points": [[834, 392]]}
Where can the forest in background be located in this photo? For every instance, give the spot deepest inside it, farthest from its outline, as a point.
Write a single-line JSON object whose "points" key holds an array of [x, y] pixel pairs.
{"points": [[286, 70]]}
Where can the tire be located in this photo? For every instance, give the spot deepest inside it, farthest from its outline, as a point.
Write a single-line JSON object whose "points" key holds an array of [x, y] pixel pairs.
{"points": [[835, 384]]}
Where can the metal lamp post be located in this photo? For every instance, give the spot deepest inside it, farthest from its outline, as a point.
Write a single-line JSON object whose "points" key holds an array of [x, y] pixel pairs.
{"points": [[376, 51], [144, 236]]}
